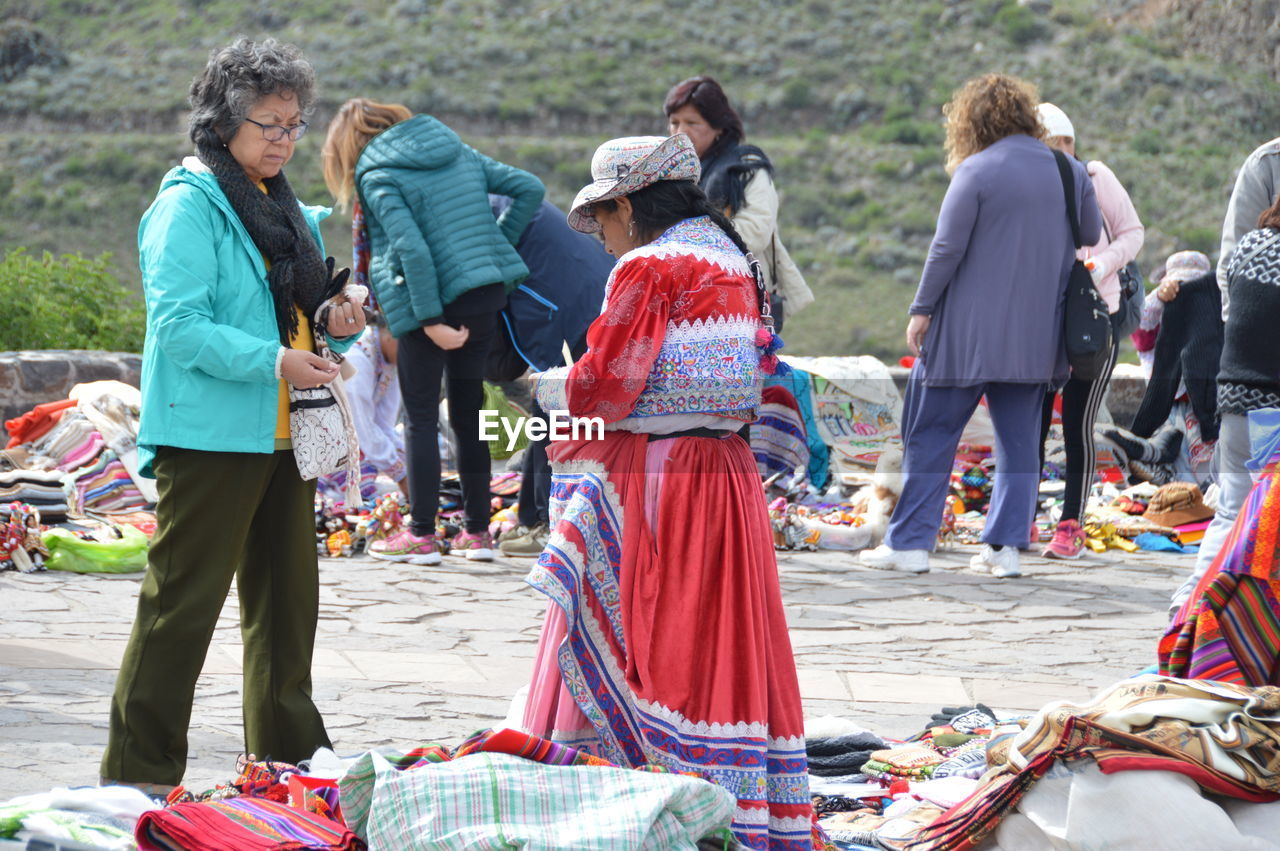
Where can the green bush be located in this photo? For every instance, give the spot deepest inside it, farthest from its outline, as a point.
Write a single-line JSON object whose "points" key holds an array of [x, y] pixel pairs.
{"points": [[907, 131], [1148, 142], [67, 302], [1021, 25], [1201, 239]]}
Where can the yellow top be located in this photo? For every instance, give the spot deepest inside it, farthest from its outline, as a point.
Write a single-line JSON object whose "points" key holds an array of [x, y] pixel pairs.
{"points": [[303, 339]]}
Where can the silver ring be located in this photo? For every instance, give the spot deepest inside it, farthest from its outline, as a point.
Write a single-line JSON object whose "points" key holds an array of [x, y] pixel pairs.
{"points": [[351, 320]]}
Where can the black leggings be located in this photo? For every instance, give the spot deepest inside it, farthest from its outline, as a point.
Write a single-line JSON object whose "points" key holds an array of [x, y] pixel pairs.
{"points": [[421, 364], [1080, 403]]}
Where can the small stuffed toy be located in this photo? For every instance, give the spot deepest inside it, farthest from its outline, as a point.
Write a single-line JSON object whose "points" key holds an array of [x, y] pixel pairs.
{"points": [[876, 501]]}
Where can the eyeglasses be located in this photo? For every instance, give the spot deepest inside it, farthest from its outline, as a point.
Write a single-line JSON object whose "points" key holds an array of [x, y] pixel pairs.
{"points": [[276, 132]]}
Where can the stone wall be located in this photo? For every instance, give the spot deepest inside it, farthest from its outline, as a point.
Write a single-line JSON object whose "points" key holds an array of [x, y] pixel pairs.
{"points": [[29, 378], [1124, 394]]}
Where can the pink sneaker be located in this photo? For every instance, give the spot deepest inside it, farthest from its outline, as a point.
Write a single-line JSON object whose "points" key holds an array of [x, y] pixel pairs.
{"points": [[404, 546], [477, 546], [1067, 543]]}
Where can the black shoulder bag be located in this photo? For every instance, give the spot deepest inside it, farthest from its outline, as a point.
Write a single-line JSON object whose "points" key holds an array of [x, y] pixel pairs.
{"points": [[1087, 322]]}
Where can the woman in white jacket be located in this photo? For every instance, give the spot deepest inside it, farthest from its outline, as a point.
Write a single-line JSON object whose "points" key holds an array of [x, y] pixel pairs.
{"points": [[738, 178]]}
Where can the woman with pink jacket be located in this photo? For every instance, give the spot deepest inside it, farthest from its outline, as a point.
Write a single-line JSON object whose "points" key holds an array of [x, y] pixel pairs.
{"points": [[1120, 243]]}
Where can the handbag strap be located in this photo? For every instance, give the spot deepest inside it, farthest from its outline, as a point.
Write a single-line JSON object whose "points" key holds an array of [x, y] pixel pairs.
{"points": [[1069, 189]]}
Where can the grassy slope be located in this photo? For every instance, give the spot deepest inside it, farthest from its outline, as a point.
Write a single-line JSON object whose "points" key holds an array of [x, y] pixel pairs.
{"points": [[844, 96]]}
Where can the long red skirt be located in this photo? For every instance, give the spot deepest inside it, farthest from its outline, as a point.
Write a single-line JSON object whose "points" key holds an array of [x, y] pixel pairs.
{"points": [[668, 630]]}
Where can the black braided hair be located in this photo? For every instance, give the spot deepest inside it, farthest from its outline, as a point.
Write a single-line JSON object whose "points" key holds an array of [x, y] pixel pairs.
{"points": [[658, 206]]}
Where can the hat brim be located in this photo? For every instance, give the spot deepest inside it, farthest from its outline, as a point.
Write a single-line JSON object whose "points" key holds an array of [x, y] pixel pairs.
{"points": [[674, 159], [1180, 516], [580, 216]]}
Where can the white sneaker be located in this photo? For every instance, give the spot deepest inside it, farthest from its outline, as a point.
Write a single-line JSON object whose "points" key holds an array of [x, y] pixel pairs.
{"points": [[885, 557], [1002, 563]]}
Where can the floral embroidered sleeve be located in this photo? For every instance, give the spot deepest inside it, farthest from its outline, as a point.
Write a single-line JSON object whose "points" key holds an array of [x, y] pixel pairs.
{"points": [[622, 344]]}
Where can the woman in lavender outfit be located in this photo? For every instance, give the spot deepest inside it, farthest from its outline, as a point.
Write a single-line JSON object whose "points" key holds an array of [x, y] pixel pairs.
{"points": [[987, 320]]}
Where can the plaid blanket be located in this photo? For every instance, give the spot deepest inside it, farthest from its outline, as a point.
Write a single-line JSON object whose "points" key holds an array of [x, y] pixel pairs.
{"points": [[488, 800]]}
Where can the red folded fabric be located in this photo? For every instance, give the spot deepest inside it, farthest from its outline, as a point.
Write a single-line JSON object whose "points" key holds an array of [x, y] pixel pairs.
{"points": [[241, 824], [36, 422]]}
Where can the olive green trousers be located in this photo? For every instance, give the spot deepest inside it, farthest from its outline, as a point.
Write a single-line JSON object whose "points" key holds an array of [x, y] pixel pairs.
{"points": [[221, 515]]}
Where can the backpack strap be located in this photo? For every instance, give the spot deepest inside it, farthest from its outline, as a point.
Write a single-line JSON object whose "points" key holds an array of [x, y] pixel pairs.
{"points": [[1069, 189]]}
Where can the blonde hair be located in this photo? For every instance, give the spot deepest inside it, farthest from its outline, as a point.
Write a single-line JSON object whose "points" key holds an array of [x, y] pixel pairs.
{"points": [[358, 120], [987, 109]]}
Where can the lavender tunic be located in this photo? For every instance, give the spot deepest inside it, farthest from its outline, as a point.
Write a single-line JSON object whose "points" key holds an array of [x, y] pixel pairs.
{"points": [[996, 277]]}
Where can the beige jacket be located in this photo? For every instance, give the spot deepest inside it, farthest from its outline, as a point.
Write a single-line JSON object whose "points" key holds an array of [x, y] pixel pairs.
{"points": [[757, 223]]}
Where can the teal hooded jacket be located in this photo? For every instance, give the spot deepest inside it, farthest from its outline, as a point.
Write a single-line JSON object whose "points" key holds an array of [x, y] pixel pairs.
{"points": [[432, 235], [209, 361]]}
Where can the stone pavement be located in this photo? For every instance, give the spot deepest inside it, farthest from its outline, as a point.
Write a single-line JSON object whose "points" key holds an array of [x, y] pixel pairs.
{"points": [[410, 654]]}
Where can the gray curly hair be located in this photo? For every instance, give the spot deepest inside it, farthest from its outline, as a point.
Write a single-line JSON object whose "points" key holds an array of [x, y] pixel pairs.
{"points": [[240, 75]]}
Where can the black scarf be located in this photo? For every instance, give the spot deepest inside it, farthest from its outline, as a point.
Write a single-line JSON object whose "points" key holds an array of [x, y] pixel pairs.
{"points": [[297, 274], [727, 169]]}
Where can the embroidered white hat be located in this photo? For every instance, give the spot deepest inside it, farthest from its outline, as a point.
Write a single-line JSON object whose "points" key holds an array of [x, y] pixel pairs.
{"points": [[1055, 121], [1186, 266], [621, 166]]}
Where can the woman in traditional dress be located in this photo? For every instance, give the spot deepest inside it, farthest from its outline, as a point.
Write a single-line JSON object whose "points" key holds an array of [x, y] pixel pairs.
{"points": [[1227, 626], [666, 641]]}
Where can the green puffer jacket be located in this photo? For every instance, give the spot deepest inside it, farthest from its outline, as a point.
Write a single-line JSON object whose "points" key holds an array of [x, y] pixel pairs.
{"points": [[432, 235]]}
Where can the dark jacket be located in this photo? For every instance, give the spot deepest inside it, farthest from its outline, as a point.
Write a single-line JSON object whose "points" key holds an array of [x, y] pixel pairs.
{"points": [[1187, 351], [564, 291], [431, 234], [727, 169], [1249, 374]]}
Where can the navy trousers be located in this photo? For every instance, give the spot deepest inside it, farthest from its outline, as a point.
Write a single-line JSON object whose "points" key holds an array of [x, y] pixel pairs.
{"points": [[933, 420]]}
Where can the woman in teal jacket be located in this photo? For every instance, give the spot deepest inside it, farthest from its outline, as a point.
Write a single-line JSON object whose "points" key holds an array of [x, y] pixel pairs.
{"points": [[232, 270], [441, 268]]}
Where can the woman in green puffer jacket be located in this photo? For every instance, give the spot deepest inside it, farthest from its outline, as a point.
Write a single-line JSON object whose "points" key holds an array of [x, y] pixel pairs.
{"points": [[441, 268]]}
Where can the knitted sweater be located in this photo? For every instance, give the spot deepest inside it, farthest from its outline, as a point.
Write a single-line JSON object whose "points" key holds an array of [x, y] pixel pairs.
{"points": [[1187, 350], [1249, 377]]}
